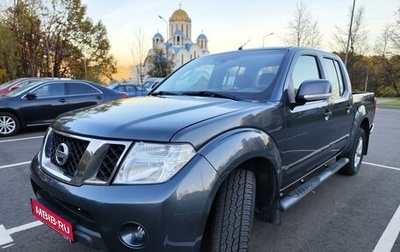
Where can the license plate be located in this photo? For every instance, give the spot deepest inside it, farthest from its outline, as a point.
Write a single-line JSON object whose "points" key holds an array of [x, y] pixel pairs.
{"points": [[52, 220]]}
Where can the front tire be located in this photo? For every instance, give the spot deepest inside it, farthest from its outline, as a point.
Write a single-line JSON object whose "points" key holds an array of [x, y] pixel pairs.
{"points": [[355, 154], [231, 221], [9, 124]]}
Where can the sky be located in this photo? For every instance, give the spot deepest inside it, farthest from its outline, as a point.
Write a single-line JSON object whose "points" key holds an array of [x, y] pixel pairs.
{"points": [[229, 24]]}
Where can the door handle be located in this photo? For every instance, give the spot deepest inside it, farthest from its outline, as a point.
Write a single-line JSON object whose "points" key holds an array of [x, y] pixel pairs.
{"points": [[62, 100], [348, 108], [327, 114]]}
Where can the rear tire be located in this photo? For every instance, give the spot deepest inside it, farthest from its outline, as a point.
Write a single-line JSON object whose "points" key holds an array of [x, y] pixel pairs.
{"points": [[9, 124], [231, 221], [355, 154]]}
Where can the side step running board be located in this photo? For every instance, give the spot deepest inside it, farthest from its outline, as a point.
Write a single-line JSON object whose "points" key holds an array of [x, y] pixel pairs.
{"points": [[297, 194]]}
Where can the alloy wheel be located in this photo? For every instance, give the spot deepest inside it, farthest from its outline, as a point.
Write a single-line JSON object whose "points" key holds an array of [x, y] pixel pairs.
{"points": [[7, 125]]}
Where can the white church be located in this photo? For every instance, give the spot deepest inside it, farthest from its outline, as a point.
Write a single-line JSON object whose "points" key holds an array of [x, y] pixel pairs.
{"points": [[179, 45]]}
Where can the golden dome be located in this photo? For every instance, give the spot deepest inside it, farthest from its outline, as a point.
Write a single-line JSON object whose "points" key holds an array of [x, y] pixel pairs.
{"points": [[180, 15]]}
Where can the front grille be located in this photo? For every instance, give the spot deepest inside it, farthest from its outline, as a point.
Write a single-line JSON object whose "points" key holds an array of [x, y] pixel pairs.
{"points": [[86, 160], [110, 160], [76, 149]]}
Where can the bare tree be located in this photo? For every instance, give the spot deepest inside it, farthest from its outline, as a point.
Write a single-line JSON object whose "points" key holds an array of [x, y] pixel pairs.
{"points": [[357, 67], [395, 32], [383, 42], [388, 48], [359, 34], [302, 29], [139, 51]]}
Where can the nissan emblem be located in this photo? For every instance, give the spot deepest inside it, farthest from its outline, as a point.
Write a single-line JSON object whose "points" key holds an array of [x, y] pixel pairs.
{"points": [[62, 153]]}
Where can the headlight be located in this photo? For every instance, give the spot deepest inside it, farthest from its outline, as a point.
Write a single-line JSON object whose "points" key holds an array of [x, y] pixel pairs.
{"points": [[153, 163]]}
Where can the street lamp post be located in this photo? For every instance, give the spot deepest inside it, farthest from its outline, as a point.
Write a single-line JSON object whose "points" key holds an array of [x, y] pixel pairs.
{"points": [[166, 40], [48, 56], [85, 67], [166, 25], [266, 36], [349, 36]]}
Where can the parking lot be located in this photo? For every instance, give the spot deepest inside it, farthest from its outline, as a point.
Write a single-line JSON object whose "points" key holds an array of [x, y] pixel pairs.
{"points": [[358, 213]]}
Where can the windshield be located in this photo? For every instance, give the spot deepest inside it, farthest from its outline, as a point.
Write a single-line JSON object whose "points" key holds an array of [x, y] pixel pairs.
{"points": [[241, 75], [22, 89], [5, 84]]}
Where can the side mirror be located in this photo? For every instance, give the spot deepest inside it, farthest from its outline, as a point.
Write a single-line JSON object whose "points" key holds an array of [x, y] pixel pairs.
{"points": [[313, 90], [31, 96]]}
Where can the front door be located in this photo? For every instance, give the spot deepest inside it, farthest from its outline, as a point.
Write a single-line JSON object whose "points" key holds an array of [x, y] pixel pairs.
{"points": [[307, 135], [47, 103]]}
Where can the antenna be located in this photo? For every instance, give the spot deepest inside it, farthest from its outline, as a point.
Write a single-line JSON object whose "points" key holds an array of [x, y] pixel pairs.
{"points": [[241, 48]]}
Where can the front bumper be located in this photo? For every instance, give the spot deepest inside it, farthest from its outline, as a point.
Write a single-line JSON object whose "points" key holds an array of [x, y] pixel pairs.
{"points": [[174, 213]]}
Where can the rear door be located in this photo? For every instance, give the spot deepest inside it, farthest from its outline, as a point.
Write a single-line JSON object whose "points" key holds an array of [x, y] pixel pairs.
{"points": [[307, 134], [81, 94], [341, 103]]}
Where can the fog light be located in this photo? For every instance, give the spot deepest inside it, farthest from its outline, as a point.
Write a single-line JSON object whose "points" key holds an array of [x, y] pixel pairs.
{"points": [[133, 235]]}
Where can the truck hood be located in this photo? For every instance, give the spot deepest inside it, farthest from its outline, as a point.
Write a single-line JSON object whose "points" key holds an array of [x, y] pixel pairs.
{"points": [[145, 118]]}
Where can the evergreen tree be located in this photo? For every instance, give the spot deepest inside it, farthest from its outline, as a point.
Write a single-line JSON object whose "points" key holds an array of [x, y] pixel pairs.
{"points": [[160, 65]]}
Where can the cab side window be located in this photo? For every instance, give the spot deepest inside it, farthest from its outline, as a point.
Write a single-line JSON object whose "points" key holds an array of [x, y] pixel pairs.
{"points": [[50, 90], [306, 68], [333, 74], [81, 89]]}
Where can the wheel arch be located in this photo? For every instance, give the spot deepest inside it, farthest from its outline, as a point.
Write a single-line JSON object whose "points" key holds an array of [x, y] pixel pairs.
{"points": [[361, 120], [8, 129], [14, 113], [253, 150]]}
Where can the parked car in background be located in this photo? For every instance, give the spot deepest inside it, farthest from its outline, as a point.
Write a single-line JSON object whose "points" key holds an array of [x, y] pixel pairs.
{"points": [[151, 82], [38, 103], [17, 83], [131, 89]]}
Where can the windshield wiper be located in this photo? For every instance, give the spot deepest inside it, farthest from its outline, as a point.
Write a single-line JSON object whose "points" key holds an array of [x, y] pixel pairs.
{"points": [[211, 94], [164, 93], [197, 93]]}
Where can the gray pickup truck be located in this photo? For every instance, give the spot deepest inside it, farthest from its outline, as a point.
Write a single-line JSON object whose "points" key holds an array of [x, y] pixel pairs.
{"points": [[225, 138]]}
